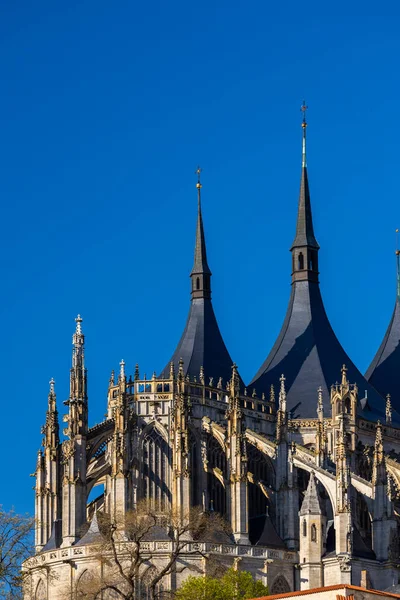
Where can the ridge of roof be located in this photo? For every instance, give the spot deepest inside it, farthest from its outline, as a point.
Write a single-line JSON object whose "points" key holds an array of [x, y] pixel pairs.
{"points": [[329, 588]]}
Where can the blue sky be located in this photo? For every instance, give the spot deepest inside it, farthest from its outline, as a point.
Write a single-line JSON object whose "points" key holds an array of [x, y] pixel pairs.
{"points": [[106, 108]]}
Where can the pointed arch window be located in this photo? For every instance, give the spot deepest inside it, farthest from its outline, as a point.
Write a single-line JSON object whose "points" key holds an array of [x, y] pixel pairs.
{"points": [[304, 528], [156, 469], [313, 532], [197, 283], [300, 261], [280, 586], [40, 591]]}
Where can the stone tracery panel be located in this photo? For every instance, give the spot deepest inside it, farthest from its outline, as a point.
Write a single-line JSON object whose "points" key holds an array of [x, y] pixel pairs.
{"points": [[156, 468], [280, 585]]}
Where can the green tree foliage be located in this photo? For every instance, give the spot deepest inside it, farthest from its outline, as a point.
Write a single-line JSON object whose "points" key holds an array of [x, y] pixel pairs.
{"points": [[233, 585]]}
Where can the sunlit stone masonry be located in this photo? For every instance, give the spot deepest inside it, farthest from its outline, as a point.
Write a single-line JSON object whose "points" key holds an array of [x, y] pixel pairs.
{"points": [[303, 462]]}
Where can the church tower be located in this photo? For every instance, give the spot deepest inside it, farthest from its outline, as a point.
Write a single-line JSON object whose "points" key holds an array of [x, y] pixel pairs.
{"points": [[312, 537], [307, 350], [201, 347]]}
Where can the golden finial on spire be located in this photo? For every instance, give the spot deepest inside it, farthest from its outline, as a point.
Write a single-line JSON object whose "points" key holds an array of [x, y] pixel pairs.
{"points": [[198, 173]]}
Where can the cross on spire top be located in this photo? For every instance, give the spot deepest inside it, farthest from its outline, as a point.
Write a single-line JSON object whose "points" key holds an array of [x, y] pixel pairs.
{"points": [[303, 109], [198, 173]]}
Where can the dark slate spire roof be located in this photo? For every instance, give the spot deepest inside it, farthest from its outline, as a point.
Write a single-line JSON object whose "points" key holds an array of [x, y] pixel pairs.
{"points": [[307, 350], [311, 504], [200, 265], [383, 372], [201, 344], [304, 229]]}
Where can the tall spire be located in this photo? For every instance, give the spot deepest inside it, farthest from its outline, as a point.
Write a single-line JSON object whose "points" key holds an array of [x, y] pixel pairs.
{"points": [[201, 348], [201, 274], [305, 247], [77, 402], [51, 427]]}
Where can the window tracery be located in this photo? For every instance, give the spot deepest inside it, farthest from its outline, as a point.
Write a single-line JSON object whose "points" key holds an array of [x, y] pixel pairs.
{"points": [[156, 469]]}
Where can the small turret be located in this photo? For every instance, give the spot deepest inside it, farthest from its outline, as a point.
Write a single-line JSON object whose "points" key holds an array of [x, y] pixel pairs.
{"points": [[312, 537]]}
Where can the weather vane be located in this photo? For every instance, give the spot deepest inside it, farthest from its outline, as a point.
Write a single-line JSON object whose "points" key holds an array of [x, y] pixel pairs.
{"points": [[198, 173], [303, 109]]}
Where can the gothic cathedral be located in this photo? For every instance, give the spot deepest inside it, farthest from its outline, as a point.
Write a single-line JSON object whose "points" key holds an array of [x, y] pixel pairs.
{"points": [[305, 469]]}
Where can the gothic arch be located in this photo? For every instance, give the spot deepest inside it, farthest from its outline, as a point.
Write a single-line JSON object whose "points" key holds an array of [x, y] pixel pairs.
{"points": [[280, 585], [195, 466], [216, 473], [40, 591], [327, 480], [261, 478], [155, 475], [150, 426], [146, 579], [363, 519], [215, 430], [84, 582]]}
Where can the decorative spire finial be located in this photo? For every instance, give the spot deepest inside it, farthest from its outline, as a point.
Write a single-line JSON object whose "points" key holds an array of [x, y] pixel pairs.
{"points": [[304, 126], [320, 400], [172, 370], [272, 393], [282, 394], [122, 369], [78, 322], [344, 376], [180, 370], [388, 409], [52, 383]]}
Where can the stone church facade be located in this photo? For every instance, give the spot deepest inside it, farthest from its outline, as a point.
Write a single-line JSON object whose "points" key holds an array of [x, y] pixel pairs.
{"points": [[305, 468]]}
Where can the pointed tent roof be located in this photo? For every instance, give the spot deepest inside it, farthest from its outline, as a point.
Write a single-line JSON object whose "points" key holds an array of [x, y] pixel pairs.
{"points": [[201, 344], [269, 536], [311, 504], [93, 534], [307, 350], [384, 368]]}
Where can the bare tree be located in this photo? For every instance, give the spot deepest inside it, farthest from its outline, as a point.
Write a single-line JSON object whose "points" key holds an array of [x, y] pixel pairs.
{"points": [[16, 545], [128, 553]]}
